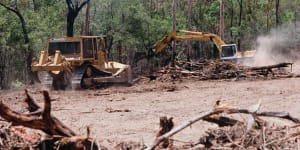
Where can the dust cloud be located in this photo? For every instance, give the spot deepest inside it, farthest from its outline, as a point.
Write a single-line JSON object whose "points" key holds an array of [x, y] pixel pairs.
{"points": [[276, 47]]}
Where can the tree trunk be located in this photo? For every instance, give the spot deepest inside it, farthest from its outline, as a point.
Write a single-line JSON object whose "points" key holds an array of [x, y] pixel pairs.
{"points": [[240, 24], [189, 45], [70, 25], [269, 11], [295, 23], [222, 19], [29, 51], [277, 13], [87, 19], [231, 19], [174, 29], [73, 10]]}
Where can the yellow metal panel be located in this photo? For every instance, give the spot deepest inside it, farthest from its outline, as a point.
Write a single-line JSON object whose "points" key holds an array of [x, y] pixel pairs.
{"points": [[47, 68], [57, 58], [43, 58]]}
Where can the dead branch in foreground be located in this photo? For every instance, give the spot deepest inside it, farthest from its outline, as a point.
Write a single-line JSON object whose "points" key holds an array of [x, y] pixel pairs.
{"points": [[216, 111], [61, 136], [45, 122]]}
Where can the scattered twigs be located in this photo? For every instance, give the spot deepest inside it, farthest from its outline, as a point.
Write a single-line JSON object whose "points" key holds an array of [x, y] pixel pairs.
{"points": [[111, 110], [232, 142]]}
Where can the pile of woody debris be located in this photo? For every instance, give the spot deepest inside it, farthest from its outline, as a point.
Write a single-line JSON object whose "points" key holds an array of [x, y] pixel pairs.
{"points": [[256, 132], [14, 137], [262, 137], [218, 69]]}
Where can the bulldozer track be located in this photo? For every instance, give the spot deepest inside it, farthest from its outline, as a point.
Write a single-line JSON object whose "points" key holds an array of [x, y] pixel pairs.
{"points": [[80, 74], [45, 78]]}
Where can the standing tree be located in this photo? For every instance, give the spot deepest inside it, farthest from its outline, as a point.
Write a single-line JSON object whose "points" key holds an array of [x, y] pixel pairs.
{"points": [[174, 30], [240, 23], [73, 10], [29, 52], [190, 28], [277, 13], [87, 20], [222, 19]]}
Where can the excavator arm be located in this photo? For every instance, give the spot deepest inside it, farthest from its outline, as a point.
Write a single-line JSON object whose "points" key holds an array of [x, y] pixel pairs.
{"points": [[201, 36], [187, 35], [226, 51]]}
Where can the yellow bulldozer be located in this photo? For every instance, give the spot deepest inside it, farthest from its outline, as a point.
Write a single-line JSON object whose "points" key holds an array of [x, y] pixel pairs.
{"points": [[78, 62]]}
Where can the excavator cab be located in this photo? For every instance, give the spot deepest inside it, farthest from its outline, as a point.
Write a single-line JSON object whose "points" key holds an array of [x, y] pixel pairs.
{"points": [[228, 52]]}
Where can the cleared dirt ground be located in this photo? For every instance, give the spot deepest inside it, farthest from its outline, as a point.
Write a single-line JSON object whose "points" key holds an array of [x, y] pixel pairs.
{"points": [[120, 113]]}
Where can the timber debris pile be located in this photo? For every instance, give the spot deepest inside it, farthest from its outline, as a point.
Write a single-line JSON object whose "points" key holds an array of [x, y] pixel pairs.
{"points": [[256, 132], [263, 137], [219, 70]]}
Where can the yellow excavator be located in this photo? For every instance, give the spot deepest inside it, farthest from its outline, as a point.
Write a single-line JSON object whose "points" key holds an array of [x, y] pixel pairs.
{"points": [[78, 62], [226, 51]]}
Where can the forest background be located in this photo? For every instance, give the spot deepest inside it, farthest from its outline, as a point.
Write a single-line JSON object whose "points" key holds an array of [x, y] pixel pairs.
{"points": [[133, 26]]}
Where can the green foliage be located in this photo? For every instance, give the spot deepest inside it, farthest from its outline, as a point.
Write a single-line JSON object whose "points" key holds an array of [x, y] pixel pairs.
{"points": [[17, 84], [135, 25]]}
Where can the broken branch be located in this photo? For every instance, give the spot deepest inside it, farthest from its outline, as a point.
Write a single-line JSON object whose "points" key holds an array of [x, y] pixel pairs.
{"points": [[46, 123]]}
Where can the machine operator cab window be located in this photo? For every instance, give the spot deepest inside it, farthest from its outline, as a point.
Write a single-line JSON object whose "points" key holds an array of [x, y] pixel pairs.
{"points": [[63, 47], [228, 51], [89, 47]]}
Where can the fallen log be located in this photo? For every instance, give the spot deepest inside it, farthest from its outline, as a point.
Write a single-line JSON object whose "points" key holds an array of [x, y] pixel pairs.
{"points": [[280, 65]]}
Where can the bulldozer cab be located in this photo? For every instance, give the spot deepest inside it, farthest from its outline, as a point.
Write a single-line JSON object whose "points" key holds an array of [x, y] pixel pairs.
{"points": [[78, 49]]}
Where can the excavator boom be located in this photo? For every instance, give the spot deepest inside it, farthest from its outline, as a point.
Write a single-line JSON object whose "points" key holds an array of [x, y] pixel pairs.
{"points": [[226, 51]]}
